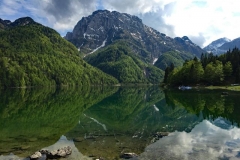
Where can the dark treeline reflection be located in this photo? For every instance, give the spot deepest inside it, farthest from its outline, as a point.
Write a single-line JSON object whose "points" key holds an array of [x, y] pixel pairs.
{"points": [[31, 119], [134, 109], [210, 103], [104, 121], [126, 121]]}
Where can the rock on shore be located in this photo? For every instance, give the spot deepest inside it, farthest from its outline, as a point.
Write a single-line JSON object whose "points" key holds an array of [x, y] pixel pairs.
{"points": [[60, 153]]}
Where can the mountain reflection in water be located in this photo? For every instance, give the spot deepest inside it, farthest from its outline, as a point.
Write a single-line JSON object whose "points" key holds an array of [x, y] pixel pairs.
{"points": [[105, 122], [62, 142]]}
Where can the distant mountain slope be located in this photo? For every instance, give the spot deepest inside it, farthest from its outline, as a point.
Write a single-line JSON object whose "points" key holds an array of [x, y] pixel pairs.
{"points": [[172, 57], [222, 45], [230, 45], [34, 55], [119, 61], [215, 46], [104, 27]]}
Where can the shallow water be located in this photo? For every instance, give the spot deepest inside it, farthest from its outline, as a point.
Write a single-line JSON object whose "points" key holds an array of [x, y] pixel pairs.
{"points": [[106, 122]]}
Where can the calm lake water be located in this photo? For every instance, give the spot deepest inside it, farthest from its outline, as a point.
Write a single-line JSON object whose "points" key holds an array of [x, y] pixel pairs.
{"points": [[108, 121]]}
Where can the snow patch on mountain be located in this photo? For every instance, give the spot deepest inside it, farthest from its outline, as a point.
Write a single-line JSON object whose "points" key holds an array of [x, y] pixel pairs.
{"points": [[214, 46], [101, 124], [103, 45], [155, 107], [120, 26], [155, 60]]}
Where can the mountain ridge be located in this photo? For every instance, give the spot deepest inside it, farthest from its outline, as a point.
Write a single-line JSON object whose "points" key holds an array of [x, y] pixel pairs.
{"points": [[23, 21], [104, 27], [222, 45], [230, 45]]}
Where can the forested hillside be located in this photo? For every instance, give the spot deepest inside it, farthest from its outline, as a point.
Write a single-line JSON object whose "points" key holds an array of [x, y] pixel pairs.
{"points": [[210, 69], [172, 57], [35, 55], [119, 61]]}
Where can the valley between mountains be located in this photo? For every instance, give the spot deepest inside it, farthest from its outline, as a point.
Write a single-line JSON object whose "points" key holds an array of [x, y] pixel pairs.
{"points": [[105, 48]]}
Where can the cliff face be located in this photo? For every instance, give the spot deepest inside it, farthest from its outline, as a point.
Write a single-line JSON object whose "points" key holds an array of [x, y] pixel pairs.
{"points": [[104, 27]]}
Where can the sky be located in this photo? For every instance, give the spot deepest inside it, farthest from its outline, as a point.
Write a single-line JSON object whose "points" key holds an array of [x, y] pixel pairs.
{"points": [[203, 21]]}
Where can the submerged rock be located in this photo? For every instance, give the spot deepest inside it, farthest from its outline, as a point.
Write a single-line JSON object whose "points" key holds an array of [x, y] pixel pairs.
{"points": [[128, 155], [78, 139], [159, 135]]}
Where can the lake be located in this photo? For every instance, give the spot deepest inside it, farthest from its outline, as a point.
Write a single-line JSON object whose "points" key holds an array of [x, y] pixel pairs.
{"points": [[109, 121]]}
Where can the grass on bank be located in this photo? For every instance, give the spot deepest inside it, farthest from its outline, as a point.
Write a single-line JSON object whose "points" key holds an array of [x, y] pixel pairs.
{"points": [[233, 88]]}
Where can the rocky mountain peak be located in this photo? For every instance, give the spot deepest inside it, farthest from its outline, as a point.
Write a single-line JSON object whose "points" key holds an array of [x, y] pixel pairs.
{"points": [[185, 38], [101, 12], [231, 44], [215, 46], [219, 42], [23, 21], [5, 21], [104, 27], [5, 24]]}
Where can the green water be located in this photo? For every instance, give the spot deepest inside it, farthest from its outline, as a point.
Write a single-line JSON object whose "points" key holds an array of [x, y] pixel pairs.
{"points": [[106, 121]]}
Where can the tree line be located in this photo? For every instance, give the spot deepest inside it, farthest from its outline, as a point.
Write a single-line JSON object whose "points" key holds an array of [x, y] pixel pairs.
{"points": [[209, 69]]}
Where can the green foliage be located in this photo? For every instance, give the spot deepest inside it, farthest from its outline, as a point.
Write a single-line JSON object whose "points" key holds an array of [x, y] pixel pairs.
{"points": [[174, 57], [214, 72], [118, 61], [34, 55], [37, 118], [196, 72], [209, 103], [191, 73], [168, 70], [131, 109], [223, 69], [227, 69], [131, 115]]}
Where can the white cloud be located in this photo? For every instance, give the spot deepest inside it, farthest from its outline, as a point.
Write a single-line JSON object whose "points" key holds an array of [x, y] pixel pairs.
{"points": [[65, 14], [213, 20], [205, 141], [201, 20], [62, 15], [137, 6], [151, 12], [9, 8], [206, 19]]}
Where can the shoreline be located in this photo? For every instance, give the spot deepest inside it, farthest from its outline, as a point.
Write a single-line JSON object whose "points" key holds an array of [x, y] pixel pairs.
{"points": [[231, 88]]}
